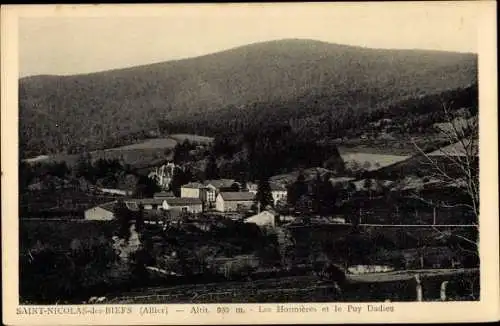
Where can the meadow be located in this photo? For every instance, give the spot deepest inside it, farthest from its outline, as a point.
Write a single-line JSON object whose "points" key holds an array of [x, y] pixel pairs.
{"points": [[146, 153]]}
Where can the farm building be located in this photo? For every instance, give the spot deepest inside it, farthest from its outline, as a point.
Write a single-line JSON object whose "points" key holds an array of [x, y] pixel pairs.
{"points": [[147, 203], [102, 212], [264, 218], [210, 189], [234, 201], [187, 205]]}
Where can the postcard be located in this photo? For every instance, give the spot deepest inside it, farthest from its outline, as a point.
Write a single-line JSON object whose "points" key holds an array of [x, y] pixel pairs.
{"points": [[249, 163]]}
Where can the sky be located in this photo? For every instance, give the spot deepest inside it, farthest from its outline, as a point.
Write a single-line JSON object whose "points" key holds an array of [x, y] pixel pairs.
{"points": [[64, 41]]}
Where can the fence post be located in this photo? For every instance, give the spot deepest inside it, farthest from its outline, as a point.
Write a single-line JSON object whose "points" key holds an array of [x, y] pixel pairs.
{"points": [[443, 290], [418, 287]]}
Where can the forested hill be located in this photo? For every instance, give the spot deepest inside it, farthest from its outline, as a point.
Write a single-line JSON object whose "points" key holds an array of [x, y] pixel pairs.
{"points": [[59, 112]]}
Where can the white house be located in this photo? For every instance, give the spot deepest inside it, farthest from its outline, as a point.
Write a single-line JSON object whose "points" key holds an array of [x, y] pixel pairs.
{"points": [[211, 188], [209, 195], [102, 212], [191, 190], [234, 201]]}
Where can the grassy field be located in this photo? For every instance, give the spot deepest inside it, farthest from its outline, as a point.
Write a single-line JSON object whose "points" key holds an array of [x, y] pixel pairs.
{"points": [[155, 143], [371, 161], [192, 138], [145, 153]]}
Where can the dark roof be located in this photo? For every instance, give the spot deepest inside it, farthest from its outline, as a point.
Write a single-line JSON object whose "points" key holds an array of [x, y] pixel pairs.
{"points": [[221, 183], [237, 196], [146, 201], [276, 187], [108, 206], [194, 185], [164, 194], [183, 201]]}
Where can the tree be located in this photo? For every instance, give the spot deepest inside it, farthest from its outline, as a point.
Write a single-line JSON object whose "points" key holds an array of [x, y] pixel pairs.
{"points": [[264, 196], [297, 189], [123, 216], [180, 177], [317, 196], [146, 187], [84, 168], [330, 195], [351, 190], [235, 187], [368, 185], [367, 165], [139, 218], [211, 170], [457, 166]]}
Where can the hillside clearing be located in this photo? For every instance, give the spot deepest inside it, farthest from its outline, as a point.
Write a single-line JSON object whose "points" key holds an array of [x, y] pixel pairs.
{"points": [[192, 138], [370, 161], [155, 143]]}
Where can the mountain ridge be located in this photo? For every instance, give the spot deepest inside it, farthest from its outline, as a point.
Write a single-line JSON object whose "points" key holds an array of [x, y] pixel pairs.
{"points": [[60, 112], [241, 47]]}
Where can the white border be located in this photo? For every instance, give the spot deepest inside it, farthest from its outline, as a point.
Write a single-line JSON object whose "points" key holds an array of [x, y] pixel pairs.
{"points": [[487, 309]]}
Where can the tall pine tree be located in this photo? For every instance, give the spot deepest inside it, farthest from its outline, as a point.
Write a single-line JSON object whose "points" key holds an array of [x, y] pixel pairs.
{"points": [[264, 196], [123, 216], [211, 170]]}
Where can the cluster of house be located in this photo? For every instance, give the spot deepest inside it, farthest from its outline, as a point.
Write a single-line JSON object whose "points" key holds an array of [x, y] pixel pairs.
{"points": [[162, 201], [223, 195], [227, 195]]}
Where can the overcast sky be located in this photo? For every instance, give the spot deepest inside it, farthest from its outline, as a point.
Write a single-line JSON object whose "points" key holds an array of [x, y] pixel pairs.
{"points": [[80, 42]]}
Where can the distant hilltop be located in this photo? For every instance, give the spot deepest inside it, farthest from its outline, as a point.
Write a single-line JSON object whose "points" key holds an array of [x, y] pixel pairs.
{"points": [[58, 112]]}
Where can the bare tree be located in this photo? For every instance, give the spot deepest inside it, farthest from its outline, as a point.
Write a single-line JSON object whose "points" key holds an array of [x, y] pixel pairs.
{"points": [[457, 164]]}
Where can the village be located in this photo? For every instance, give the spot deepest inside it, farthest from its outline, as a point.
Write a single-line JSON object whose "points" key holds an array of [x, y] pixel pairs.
{"points": [[225, 198]]}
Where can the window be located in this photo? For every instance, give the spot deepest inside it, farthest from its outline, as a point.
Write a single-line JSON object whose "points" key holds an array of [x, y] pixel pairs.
{"points": [[184, 209]]}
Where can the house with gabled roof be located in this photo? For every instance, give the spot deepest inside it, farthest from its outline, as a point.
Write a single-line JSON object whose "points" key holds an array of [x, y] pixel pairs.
{"points": [[147, 203], [186, 205], [233, 201]]}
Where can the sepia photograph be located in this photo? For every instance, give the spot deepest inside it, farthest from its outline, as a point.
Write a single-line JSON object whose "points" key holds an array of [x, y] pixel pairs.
{"points": [[262, 154]]}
